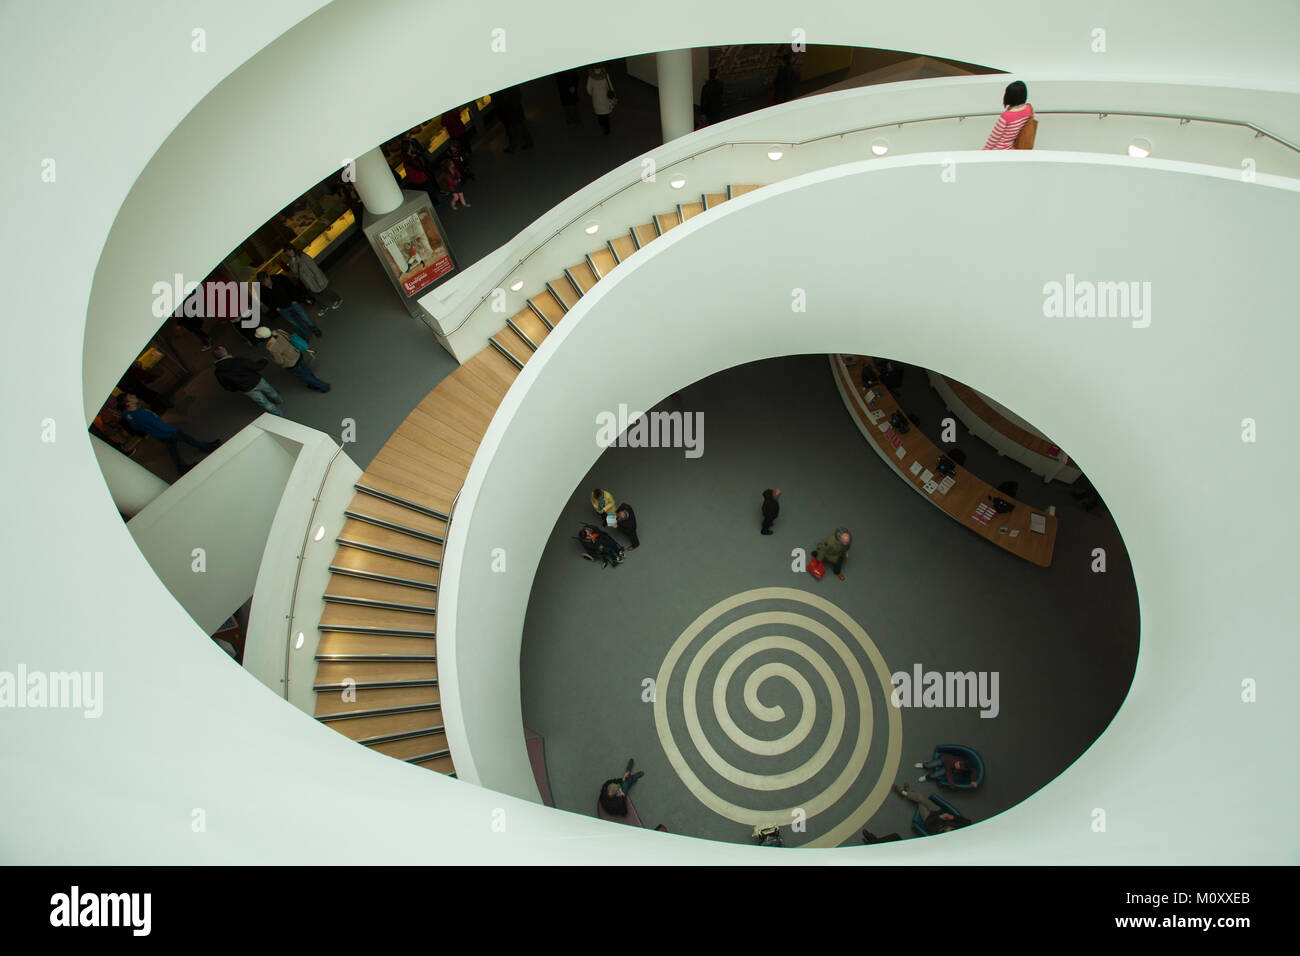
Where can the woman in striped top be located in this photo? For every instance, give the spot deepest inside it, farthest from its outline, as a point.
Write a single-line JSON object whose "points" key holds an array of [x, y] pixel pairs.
{"points": [[1018, 113]]}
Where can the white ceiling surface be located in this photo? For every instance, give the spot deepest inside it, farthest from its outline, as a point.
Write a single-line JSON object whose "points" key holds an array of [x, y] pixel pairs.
{"points": [[100, 90]]}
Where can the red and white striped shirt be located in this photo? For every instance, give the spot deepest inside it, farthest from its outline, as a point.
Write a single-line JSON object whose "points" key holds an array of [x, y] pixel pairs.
{"points": [[1008, 128]]}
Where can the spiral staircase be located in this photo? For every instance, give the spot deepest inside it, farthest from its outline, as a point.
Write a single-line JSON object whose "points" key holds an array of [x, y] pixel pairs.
{"points": [[376, 663]]}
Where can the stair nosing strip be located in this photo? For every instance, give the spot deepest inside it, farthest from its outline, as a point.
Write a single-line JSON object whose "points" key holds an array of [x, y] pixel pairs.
{"points": [[376, 631], [591, 264], [432, 755], [398, 500], [377, 604], [401, 735], [541, 315], [392, 526], [379, 712], [609, 243], [510, 324], [506, 352], [377, 658], [383, 578], [388, 552], [377, 685], [557, 297]]}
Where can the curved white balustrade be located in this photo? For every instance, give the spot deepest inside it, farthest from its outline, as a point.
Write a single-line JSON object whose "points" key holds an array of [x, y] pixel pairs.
{"points": [[1152, 412], [132, 104]]}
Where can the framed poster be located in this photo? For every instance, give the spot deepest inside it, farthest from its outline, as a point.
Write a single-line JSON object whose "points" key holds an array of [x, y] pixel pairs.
{"points": [[415, 251]]}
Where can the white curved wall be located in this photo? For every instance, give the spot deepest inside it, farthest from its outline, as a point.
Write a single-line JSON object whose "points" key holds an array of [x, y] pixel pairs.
{"points": [[1153, 415], [104, 92]]}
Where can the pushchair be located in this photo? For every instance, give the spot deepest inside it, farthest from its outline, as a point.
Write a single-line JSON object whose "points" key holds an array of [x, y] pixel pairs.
{"points": [[600, 546]]}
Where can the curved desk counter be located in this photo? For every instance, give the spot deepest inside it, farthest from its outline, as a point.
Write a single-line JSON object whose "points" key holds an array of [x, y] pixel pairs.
{"points": [[965, 497], [1007, 437]]}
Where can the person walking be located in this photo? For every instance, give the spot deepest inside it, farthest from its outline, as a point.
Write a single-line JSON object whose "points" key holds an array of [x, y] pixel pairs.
{"points": [[771, 508], [566, 81], [626, 518], [834, 550], [613, 792], [290, 352], [283, 295], [144, 422], [711, 99], [238, 374], [510, 110], [449, 181], [310, 277], [603, 97], [1017, 112]]}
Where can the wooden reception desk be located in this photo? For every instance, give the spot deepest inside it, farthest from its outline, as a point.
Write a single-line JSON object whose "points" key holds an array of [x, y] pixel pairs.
{"points": [[966, 498]]}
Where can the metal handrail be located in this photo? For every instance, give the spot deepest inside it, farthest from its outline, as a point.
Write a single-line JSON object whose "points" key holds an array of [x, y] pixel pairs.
{"points": [[297, 575], [437, 576], [1101, 114]]}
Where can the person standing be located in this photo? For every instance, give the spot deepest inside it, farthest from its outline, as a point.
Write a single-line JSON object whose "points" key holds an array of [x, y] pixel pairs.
{"points": [[416, 164], [237, 374], [510, 110], [309, 275], [627, 524], [290, 352], [1017, 112], [711, 99], [603, 98], [566, 81], [613, 792], [785, 82], [603, 503], [284, 295], [834, 550], [144, 422], [771, 508], [449, 181], [457, 131]]}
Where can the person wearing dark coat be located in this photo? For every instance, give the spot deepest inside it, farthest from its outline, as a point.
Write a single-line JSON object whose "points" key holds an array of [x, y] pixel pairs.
{"points": [[627, 524], [711, 99], [236, 374], [783, 87], [613, 792], [510, 110], [567, 82], [771, 508]]}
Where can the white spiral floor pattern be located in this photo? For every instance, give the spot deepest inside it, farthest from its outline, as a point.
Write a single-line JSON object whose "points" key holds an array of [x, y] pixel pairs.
{"points": [[783, 623]]}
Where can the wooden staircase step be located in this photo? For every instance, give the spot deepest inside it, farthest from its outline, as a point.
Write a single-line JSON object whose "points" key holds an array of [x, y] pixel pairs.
{"points": [[563, 290], [737, 191], [420, 496], [623, 246], [354, 530], [381, 726], [441, 765], [531, 326], [345, 616], [366, 672], [583, 277], [512, 343], [692, 209], [373, 507], [412, 746], [354, 559], [645, 234], [342, 642], [715, 199], [343, 585], [667, 221], [604, 261], [493, 366], [331, 703], [548, 306]]}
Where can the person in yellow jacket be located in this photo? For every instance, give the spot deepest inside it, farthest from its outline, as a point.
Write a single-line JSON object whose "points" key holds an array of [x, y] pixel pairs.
{"points": [[603, 503]]}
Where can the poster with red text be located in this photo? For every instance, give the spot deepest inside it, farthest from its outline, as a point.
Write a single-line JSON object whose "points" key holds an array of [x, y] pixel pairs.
{"points": [[416, 253]]}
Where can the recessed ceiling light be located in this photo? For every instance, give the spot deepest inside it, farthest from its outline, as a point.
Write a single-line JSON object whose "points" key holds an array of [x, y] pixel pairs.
{"points": [[297, 645], [592, 228], [880, 146], [774, 154], [320, 533], [1140, 148], [516, 285], [677, 182]]}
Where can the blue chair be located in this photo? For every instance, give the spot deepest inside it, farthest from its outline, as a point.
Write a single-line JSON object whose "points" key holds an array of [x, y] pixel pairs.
{"points": [[965, 780], [918, 822]]}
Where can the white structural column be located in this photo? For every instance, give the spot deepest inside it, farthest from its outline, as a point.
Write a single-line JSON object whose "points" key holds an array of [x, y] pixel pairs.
{"points": [[676, 96], [376, 184], [131, 484]]}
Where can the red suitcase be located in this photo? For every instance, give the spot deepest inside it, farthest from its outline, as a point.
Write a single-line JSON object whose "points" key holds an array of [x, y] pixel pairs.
{"points": [[816, 568]]}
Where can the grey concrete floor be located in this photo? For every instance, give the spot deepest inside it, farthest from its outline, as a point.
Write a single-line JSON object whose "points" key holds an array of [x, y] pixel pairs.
{"points": [[926, 590]]}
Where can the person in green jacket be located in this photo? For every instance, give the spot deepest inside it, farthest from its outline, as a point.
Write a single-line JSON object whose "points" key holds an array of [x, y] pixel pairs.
{"points": [[834, 550]]}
